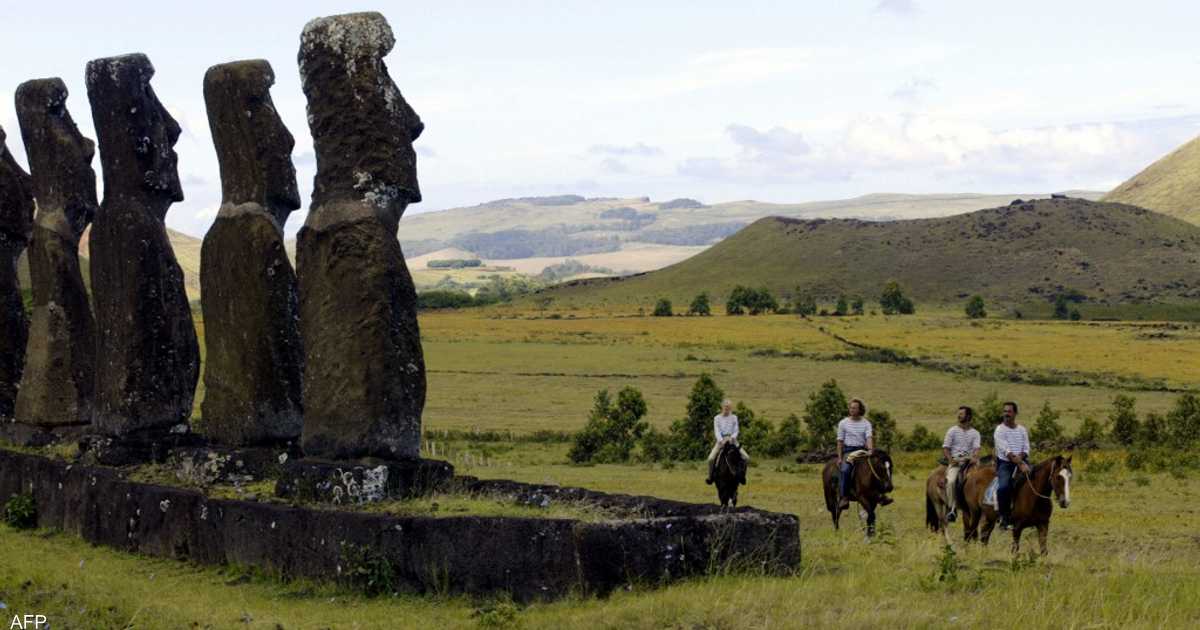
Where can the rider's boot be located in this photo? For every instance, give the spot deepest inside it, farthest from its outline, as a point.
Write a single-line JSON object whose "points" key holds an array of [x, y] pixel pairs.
{"points": [[711, 466]]}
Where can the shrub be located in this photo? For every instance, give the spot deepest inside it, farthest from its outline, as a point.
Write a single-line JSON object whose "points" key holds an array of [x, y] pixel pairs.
{"points": [[975, 307], [700, 306], [804, 304], [825, 408], [922, 439], [884, 429], [663, 308], [988, 414], [1123, 420], [736, 303], [786, 439], [438, 299], [842, 307], [691, 436], [1183, 421], [1047, 429], [1061, 310], [754, 434], [656, 446], [612, 430], [893, 301], [21, 512], [856, 305], [1090, 432], [1075, 315], [754, 301], [1153, 430]]}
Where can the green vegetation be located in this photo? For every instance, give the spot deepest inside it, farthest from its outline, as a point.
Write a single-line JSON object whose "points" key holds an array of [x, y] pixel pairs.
{"points": [[612, 430], [753, 301], [700, 306], [20, 512], [975, 308], [804, 303], [1046, 427], [454, 263], [663, 308], [893, 301]]}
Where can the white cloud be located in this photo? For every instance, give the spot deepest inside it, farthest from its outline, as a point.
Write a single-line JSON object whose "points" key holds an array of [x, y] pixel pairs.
{"points": [[903, 8], [638, 149]]}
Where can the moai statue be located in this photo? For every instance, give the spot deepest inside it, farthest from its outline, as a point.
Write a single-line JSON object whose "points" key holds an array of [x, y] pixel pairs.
{"points": [[364, 385], [254, 363], [147, 359], [16, 222], [56, 388]]}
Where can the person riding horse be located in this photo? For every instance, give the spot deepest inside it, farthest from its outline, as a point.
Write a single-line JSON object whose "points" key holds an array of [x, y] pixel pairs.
{"points": [[1012, 454], [853, 434], [725, 429], [961, 448]]}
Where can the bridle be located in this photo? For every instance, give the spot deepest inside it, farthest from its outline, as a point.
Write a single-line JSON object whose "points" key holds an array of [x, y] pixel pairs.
{"points": [[1033, 487], [871, 467]]}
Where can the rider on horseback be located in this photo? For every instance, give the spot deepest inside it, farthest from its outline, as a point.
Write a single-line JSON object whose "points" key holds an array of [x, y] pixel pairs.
{"points": [[853, 434], [725, 428], [961, 447], [1012, 454]]}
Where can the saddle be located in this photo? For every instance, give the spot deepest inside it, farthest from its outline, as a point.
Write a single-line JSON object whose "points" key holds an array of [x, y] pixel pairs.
{"points": [[853, 458]]}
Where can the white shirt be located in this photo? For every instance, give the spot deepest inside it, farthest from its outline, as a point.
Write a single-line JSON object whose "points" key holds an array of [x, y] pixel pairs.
{"points": [[854, 433], [961, 443], [1014, 441], [725, 426]]}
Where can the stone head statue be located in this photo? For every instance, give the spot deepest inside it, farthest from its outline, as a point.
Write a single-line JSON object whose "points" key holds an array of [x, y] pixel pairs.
{"points": [[60, 158], [16, 200], [136, 134], [253, 146], [362, 127]]}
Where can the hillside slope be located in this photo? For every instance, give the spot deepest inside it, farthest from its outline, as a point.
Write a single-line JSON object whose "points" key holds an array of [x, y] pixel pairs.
{"points": [[1170, 186], [1024, 252]]}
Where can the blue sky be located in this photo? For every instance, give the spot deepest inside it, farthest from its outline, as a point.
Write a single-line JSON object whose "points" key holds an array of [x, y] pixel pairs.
{"points": [[776, 101]]}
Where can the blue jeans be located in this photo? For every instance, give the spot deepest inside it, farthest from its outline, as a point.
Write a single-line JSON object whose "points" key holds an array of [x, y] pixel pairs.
{"points": [[845, 467], [1004, 485]]}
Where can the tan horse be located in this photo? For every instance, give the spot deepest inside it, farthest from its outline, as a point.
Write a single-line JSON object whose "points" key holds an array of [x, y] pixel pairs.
{"points": [[1032, 503], [935, 503]]}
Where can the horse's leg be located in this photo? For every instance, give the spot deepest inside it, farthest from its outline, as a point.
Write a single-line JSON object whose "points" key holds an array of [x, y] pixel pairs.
{"points": [[970, 524], [1016, 545], [989, 523], [1043, 529], [870, 509]]}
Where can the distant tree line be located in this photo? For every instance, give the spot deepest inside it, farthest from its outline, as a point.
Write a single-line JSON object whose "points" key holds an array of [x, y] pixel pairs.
{"points": [[454, 263]]}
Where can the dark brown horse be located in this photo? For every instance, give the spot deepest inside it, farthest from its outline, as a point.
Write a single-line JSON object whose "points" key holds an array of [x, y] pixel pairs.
{"points": [[728, 473], [1032, 502], [870, 481]]}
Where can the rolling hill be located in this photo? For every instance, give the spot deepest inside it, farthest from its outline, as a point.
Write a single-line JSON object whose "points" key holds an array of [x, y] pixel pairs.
{"points": [[1015, 254], [1170, 186]]}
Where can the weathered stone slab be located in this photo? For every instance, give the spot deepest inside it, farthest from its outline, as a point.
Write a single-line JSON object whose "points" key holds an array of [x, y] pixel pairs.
{"points": [[526, 558], [147, 358], [254, 363], [16, 218], [57, 384], [364, 386], [348, 483]]}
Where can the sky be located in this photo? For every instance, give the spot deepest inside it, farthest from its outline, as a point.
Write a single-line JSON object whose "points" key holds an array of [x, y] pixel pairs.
{"points": [[718, 101]]}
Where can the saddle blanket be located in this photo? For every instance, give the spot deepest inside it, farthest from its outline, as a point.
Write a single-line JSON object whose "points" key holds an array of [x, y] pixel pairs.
{"points": [[989, 495]]}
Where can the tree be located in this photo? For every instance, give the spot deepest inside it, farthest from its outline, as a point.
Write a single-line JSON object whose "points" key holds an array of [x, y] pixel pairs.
{"points": [[1183, 421], [1090, 432], [786, 439], [663, 308], [736, 303], [825, 408], [922, 439], [761, 301], [805, 304], [1061, 310], [1153, 430], [1047, 429], [856, 305], [989, 414], [1123, 420], [893, 301], [691, 436], [884, 428], [700, 306], [842, 307], [754, 433], [1076, 315], [612, 430], [975, 307]]}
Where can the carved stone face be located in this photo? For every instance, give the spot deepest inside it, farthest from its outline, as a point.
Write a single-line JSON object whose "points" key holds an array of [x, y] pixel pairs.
{"points": [[59, 156], [253, 145], [16, 200], [137, 135]]}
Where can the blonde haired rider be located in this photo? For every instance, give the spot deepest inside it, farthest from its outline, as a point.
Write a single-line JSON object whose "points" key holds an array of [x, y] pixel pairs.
{"points": [[725, 429]]}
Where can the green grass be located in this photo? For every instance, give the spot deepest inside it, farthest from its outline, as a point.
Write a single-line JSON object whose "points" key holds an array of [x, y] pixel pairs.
{"points": [[1171, 185]]}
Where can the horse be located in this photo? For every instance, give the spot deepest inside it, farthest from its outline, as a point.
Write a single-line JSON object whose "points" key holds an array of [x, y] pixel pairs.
{"points": [[935, 502], [728, 473], [869, 483], [1032, 502]]}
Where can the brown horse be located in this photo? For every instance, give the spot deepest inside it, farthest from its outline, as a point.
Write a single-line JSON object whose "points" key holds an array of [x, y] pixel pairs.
{"points": [[1032, 503], [870, 481], [935, 502]]}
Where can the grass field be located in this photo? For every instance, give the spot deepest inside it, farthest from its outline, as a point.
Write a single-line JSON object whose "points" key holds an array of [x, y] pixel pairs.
{"points": [[1123, 555]]}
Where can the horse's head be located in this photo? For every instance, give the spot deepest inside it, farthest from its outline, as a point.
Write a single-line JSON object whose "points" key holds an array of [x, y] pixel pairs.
{"points": [[1060, 479], [882, 470], [732, 452]]}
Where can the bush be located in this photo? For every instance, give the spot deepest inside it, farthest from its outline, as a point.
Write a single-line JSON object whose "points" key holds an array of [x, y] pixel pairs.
{"points": [[1123, 420], [825, 408], [786, 439], [612, 430], [804, 304], [656, 446], [438, 299], [1183, 421], [1090, 432], [454, 263], [842, 307], [1153, 430], [1076, 315], [21, 512], [975, 307], [663, 308], [1047, 429], [691, 436], [893, 301], [922, 439], [1061, 310], [754, 301], [700, 306], [884, 429], [856, 306], [988, 414], [754, 434]]}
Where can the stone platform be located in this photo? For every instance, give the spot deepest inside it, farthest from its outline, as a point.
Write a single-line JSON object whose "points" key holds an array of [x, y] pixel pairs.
{"points": [[525, 558]]}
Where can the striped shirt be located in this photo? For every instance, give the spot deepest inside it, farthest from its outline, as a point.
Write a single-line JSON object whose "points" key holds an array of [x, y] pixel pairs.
{"points": [[1014, 440], [961, 443], [854, 433], [725, 426]]}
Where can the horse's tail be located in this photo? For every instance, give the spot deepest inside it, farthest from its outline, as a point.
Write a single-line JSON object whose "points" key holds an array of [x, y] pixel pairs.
{"points": [[931, 515]]}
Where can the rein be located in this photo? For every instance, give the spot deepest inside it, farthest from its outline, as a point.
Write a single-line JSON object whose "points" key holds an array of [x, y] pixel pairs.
{"points": [[872, 468], [1029, 482]]}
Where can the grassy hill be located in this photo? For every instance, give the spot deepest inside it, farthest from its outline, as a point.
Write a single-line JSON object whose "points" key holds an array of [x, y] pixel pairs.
{"points": [[1015, 254], [1170, 186]]}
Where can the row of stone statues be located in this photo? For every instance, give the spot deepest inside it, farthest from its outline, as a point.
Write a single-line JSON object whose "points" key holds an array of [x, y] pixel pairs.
{"points": [[329, 353]]}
